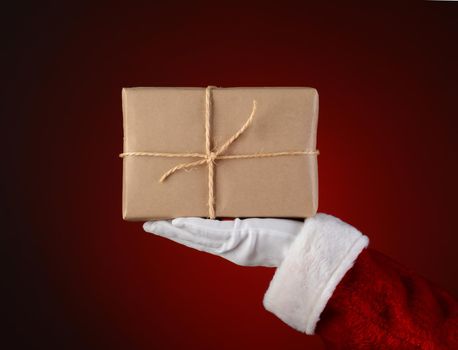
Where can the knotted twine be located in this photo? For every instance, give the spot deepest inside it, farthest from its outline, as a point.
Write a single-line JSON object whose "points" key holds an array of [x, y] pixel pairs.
{"points": [[210, 156]]}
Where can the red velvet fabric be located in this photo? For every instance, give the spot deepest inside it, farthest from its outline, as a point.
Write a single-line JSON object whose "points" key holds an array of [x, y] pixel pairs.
{"points": [[380, 304]]}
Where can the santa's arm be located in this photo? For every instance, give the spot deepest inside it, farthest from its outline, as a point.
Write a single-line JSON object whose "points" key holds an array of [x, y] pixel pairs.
{"points": [[357, 298]]}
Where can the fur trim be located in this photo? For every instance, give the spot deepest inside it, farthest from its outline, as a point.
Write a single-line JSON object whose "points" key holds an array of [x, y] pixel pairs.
{"points": [[316, 262]]}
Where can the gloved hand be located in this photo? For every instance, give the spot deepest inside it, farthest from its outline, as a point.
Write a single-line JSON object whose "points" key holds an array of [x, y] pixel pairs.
{"points": [[312, 256], [247, 242]]}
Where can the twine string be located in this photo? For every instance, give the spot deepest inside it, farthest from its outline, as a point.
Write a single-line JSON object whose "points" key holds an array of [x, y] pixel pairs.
{"points": [[209, 157]]}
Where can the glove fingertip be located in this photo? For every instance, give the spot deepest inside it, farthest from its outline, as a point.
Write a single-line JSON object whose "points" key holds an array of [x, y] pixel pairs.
{"points": [[178, 222], [148, 226]]}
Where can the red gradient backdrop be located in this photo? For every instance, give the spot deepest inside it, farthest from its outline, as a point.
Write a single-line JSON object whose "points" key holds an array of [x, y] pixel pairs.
{"points": [[78, 277]]}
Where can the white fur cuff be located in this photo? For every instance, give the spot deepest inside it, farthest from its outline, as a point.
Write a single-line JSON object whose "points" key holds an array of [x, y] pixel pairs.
{"points": [[316, 262]]}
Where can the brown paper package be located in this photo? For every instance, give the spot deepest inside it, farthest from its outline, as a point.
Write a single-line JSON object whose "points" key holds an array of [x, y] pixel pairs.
{"points": [[172, 120]]}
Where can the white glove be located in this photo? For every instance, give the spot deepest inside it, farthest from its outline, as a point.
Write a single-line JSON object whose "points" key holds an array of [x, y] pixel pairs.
{"points": [[312, 256], [247, 242]]}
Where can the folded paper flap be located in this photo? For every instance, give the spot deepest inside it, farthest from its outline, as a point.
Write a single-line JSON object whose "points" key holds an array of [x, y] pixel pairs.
{"points": [[172, 119]]}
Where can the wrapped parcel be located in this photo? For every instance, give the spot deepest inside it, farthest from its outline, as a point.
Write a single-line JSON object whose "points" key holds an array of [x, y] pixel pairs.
{"points": [[219, 152]]}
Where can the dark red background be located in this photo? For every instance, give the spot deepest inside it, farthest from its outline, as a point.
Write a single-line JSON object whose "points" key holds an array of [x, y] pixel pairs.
{"points": [[77, 276]]}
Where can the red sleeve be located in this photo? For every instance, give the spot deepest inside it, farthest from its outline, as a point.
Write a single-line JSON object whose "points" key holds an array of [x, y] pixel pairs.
{"points": [[382, 305]]}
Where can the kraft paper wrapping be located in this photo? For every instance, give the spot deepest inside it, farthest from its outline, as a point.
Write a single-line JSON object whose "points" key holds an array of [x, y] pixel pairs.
{"points": [[171, 120]]}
